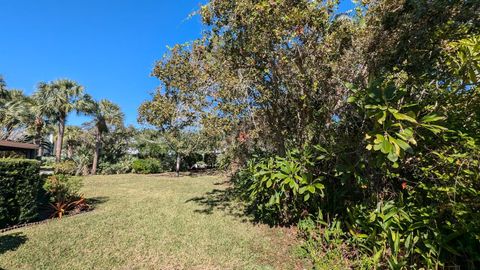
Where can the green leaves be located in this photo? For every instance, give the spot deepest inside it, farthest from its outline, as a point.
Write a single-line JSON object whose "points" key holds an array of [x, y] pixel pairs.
{"points": [[404, 117], [394, 131], [432, 118], [285, 184]]}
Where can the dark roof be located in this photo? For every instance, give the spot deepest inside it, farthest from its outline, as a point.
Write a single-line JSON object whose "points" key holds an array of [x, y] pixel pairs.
{"points": [[18, 145]]}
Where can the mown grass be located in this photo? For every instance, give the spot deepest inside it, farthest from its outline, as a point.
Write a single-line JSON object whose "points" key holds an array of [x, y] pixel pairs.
{"points": [[151, 222]]}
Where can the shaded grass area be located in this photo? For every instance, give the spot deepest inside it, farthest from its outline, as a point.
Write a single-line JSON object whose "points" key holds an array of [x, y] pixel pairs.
{"points": [[152, 222]]}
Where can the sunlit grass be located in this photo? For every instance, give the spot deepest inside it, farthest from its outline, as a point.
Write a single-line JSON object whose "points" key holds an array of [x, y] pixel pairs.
{"points": [[150, 222]]}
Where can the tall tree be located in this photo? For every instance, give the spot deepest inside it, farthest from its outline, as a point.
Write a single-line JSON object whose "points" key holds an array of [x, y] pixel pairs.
{"points": [[38, 123], [177, 116], [72, 139], [107, 116], [59, 99], [3, 88], [14, 112]]}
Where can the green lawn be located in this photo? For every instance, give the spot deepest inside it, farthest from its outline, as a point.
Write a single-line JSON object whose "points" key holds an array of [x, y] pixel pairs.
{"points": [[151, 222]]}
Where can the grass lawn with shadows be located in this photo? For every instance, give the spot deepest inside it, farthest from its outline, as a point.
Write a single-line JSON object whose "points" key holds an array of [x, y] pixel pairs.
{"points": [[152, 222]]}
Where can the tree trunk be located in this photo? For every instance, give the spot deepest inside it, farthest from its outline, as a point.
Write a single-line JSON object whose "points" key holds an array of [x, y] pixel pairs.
{"points": [[96, 154], [177, 169], [38, 136], [69, 151], [58, 146], [40, 150]]}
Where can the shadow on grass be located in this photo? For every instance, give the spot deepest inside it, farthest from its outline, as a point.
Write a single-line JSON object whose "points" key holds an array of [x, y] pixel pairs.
{"points": [[224, 200], [95, 201], [11, 242], [203, 172]]}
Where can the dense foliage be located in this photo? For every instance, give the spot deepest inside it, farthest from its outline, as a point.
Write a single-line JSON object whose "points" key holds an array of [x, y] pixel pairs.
{"points": [[382, 103], [20, 188], [147, 166], [67, 167], [63, 194]]}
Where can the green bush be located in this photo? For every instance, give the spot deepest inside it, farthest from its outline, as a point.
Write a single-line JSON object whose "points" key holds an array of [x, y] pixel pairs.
{"points": [[281, 190], [63, 188], [419, 224], [68, 167], [20, 188], [147, 166], [327, 245], [48, 161], [121, 167], [64, 196]]}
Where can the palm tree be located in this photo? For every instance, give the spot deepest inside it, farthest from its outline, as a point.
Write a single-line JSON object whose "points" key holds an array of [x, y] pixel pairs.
{"points": [[37, 123], [14, 112], [106, 116], [3, 88], [59, 98], [72, 139]]}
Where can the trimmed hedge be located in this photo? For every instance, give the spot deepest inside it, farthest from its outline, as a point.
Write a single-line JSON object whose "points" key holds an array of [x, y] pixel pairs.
{"points": [[20, 188]]}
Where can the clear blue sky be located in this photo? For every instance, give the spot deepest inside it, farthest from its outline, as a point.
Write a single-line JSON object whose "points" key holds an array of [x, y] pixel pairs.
{"points": [[108, 46]]}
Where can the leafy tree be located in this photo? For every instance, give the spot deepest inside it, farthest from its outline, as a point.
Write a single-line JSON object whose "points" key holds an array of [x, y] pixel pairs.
{"points": [[175, 114]]}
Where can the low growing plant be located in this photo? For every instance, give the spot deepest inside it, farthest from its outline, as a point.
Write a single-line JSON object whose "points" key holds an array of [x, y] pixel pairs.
{"points": [[63, 192]]}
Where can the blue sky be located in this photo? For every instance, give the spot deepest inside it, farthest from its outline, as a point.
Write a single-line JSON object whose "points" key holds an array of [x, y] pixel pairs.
{"points": [[109, 47]]}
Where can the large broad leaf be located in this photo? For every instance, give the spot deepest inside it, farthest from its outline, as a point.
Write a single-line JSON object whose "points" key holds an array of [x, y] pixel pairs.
{"points": [[351, 99], [386, 147], [404, 117], [269, 183], [431, 118], [392, 156], [383, 116], [434, 128], [319, 186], [402, 144]]}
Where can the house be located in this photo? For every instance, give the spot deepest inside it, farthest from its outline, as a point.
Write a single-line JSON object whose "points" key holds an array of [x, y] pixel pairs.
{"points": [[9, 149]]}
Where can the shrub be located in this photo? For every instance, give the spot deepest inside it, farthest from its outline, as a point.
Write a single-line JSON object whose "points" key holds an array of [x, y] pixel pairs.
{"points": [[48, 161], [326, 244], [408, 223], [62, 188], [147, 166], [68, 167], [121, 167], [20, 189], [63, 192], [281, 190]]}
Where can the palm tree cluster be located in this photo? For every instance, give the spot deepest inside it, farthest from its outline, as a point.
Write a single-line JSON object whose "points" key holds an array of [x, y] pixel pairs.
{"points": [[33, 118]]}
